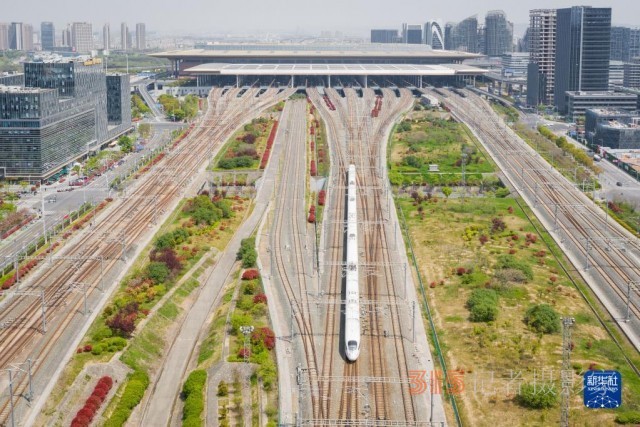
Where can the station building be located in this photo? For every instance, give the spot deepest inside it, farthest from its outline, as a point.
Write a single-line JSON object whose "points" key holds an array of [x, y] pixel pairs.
{"points": [[303, 65]]}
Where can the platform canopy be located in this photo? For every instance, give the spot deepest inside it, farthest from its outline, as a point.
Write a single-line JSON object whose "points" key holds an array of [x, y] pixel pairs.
{"points": [[333, 70]]}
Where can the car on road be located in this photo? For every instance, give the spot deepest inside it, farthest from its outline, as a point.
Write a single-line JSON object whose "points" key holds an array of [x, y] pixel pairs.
{"points": [[619, 184]]}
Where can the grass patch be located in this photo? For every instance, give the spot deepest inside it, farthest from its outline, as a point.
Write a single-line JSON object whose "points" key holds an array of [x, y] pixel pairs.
{"points": [[506, 344], [245, 148]]}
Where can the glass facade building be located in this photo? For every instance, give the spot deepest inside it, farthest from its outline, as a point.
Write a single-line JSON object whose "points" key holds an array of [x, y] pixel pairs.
{"points": [[583, 47], [462, 36], [47, 35], [59, 114], [498, 34]]}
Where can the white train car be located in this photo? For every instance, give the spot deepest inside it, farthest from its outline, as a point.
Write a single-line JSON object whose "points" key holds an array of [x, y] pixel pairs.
{"points": [[352, 290]]}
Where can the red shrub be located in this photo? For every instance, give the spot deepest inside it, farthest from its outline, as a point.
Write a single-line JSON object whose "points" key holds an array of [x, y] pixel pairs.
{"points": [[322, 195], [94, 400], [244, 352], [107, 380], [512, 251], [483, 239], [80, 421], [312, 218], [460, 271], [123, 323], [264, 335], [514, 237], [100, 393], [87, 413], [79, 350], [87, 348], [314, 170], [432, 284], [250, 274], [260, 299]]}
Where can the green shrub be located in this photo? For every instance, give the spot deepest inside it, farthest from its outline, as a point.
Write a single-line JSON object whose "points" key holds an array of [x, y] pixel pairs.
{"points": [[223, 389], [542, 318], [97, 349], [483, 305], [631, 417], [137, 384], [247, 252], [511, 262], [193, 395], [158, 272], [537, 397]]}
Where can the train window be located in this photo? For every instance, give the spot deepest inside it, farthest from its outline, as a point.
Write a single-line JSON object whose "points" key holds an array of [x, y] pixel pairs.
{"points": [[352, 345]]}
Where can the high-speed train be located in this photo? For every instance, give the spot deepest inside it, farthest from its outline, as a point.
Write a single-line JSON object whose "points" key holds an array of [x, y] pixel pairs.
{"points": [[352, 291]]}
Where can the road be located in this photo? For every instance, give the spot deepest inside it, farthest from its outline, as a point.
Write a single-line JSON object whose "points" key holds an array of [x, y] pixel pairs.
{"points": [[166, 388], [68, 201]]}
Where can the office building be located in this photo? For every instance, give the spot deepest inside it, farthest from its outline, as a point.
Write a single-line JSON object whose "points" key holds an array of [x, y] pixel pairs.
{"points": [[141, 37], [106, 37], [124, 37], [514, 64], [583, 47], [81, 37], [4, 36], [118, 100], [59, 115], [498, 34], [611, 128], [384, 36], [481, 46], [616, 74], [620, 39], [20, 36], [462, 36], [523, 43], [433, 35], [66, 37], [412, 33], [579, 102], [47, 35], [631, 74]]}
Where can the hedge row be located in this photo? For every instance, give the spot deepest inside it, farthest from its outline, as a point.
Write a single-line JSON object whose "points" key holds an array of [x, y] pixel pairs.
{"points": [[87, 413], [137, 384], [193, 395]]}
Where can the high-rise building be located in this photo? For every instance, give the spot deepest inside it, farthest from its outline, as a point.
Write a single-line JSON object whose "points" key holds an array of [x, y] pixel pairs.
{"points": [[625, 43], [81, 37], [616, 74], [542, 56], [20, 36], [412, 33], [124, 37], [433, 35], [523, 43], [141, 37], [118, 100], [498, 34], [4, 36], [462, 36], [66, 36], [481, 39], [47, 35], [106, 37], [583, 48], [620, 38], [384, 36]]}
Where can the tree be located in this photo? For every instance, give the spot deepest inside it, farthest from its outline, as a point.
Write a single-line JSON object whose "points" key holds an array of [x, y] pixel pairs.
{"points": [[126, 144], [537, 397], [542, 318], [145, 130], [158, 272], [447, 191], [483, 305]]}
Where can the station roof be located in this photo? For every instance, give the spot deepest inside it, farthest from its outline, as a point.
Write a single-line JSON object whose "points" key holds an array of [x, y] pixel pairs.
{"points": [[334, 69], [284, 50]]}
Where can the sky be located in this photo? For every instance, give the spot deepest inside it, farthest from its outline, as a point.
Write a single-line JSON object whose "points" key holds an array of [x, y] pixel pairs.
{"points": [[353, 17]]}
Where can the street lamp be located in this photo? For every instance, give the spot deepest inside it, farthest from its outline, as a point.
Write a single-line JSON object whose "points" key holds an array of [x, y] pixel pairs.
{"points": [[246, 331]]}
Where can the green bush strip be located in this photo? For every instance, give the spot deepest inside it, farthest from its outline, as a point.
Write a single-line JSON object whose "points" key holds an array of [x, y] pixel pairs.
{"points": [[193, 395]]}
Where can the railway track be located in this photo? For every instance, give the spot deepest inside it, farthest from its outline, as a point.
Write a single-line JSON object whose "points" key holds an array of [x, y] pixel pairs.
{"points": [[611, 253], [111, 232], [356, 139]]}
